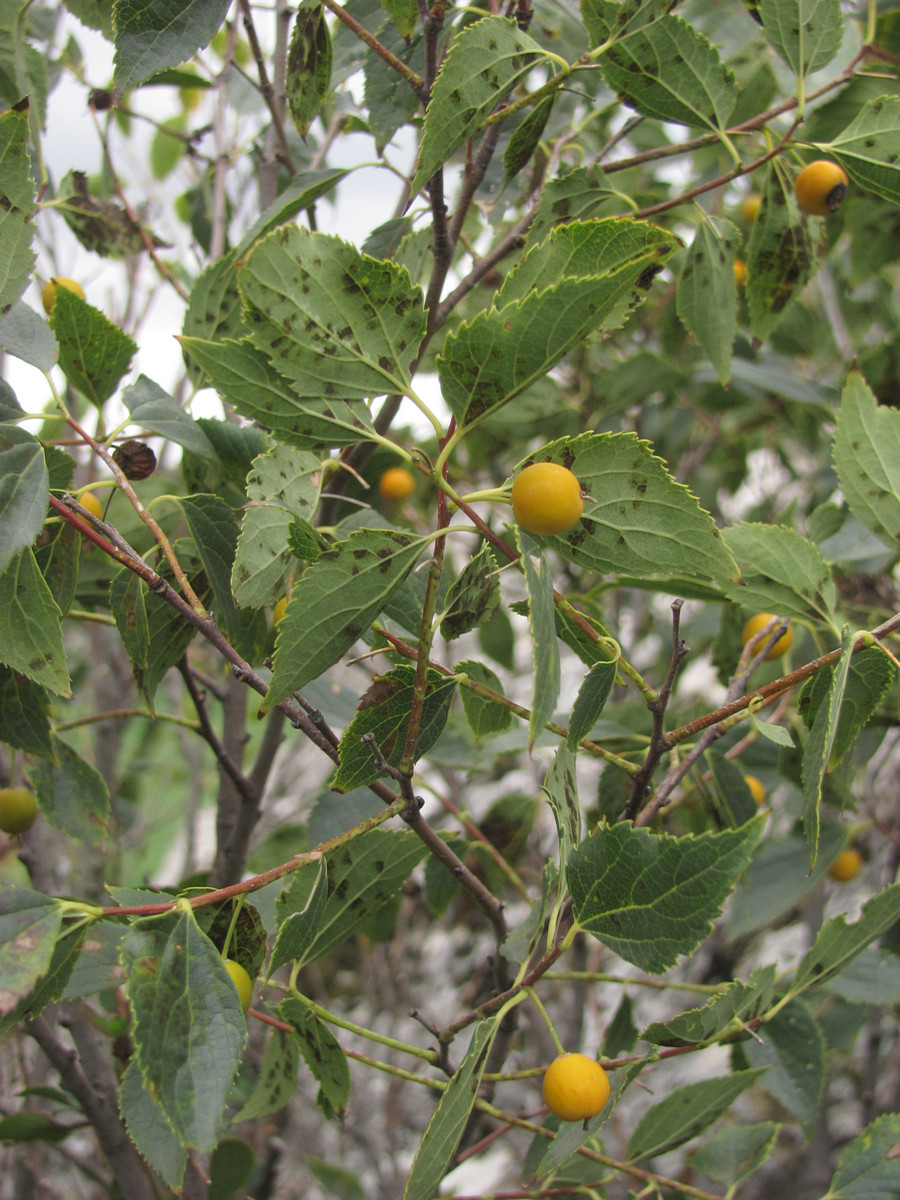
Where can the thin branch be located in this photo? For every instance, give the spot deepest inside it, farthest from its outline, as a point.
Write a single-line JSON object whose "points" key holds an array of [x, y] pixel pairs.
{"points": [[415, 81], [265, 87]]}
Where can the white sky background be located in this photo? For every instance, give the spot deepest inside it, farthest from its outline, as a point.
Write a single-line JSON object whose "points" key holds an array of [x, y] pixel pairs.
{"points": [[360, 204]]}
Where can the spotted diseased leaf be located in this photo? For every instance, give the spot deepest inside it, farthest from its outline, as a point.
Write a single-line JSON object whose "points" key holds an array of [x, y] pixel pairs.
{"points": [[670, 71], [276, 1081], [309, 64], [321, 1053], [868, 149], [150, 1129], [606, 21], [73, 794], [793, 1048], [526, 137], [94, 353], [16, 208], [870, 675], [650, 897], [101, 225], [404, 14], [24, 487], [807, 34], [781, 253], [484, 715], [335, 323], [584, 277], [838, 943], [575, 196], [869, 1167], [818, 748], [383, 714], [738, 1002], [31, 623], [26, 714], [732, 1153], [29, 926], [485, 62], [335, 602], [781, 572], [472, 596]]}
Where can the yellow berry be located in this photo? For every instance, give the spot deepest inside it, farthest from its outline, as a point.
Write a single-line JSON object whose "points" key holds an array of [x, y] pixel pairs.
{"points": [[740, 271], [757, 791], [755, 624], [241, 980], [48, 295], [846, 866], [750, 207], [279, 610], [546, 499], [18, 809], [820, 187], [89, 501], [575, 1087], [396, 484]]}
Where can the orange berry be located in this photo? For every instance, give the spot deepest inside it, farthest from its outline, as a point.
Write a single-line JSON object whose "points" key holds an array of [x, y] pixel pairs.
{"points": [[820, 187], [48, 295], [546, 499], [757, 791], [845, 866], [89, 501], [755, 624], [575, 1087], [396, 484], [740, 271], [750, 207], [280, 608]]}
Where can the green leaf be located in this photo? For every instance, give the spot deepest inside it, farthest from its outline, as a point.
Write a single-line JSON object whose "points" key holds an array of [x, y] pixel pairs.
{"points": [[485, 62], [277, 1078], [24, 487], [335, 602], [16, 208], [686, 1112], [29, 926], [391, 102], [544, 646], [243, 376], [561, 789], [871, 672], [621, 1033], [35, 1126], [102, 226], [585, 276], [94, 353], [299, 909], [472, 596], [867, 149], [738, 1003], [731, 1154], [57, 558], [807, 34], [363, 876], [189, 1028], [73, 794], [449, 1120], [150, 1129], [526, 137], [214, 529], [51, 986], [24, 335], [637, 520], [26, 714], [607, 22], [152, 35], [706, 299], [230, 1167], [214, 309], [782, 572], [155, 409], [324, 1057], [30, 631], [404, 14], [650, 897], [169, 633], [384, 711], [837, 943], [793, 1048], [730, 791], [866, 451], [485, 716], [127, 600], [781, 255], [336, 323], [670, 71], [309, 65], [817, 751], [873, 977], [593, 693], [304, 190], [778, 878], [575, 196], [283, 485], [869, 1168], [96, 14]]}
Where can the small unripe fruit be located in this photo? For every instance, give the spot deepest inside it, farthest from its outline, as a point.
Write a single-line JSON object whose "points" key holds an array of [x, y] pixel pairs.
{"points": [[546, 499], [575, 1087], [846, 866], [757, 791], [48, 295], [755, 624], [18, 809], [396, 484], [820, 187], [241, 980], [89, 501], [750, 207]]}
